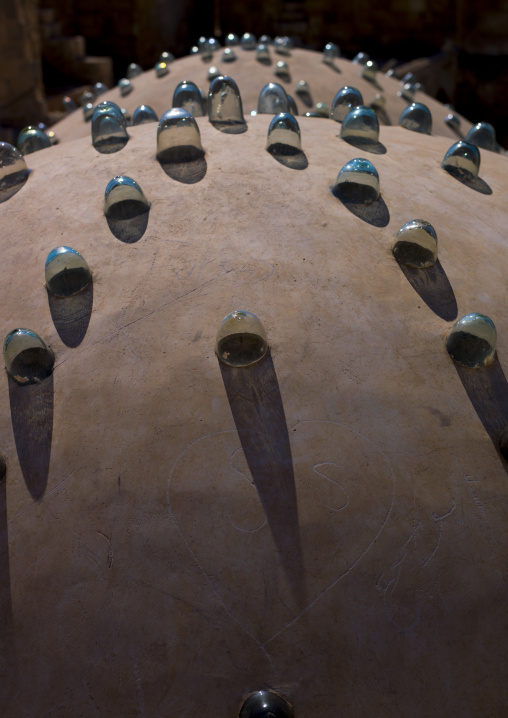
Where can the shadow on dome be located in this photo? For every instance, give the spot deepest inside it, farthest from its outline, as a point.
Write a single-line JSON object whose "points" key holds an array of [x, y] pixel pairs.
{"points": [[434, 288], [288, 156], [32, 425], [306, 98], [375, 213], [256, 404], [231, 128], [129, 229], [184, 163], [71, 315], [470, 181], [376, 148], [5, 580], [374, 83], [382, 116], [487, 390]]}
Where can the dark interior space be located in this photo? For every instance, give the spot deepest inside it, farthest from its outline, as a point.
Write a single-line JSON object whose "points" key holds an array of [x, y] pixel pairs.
{"points": [[460, 47]]}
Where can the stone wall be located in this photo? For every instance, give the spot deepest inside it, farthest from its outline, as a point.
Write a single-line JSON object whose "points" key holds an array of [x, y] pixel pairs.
{"points": [[135, 31], [140, 29], [21, 88]]}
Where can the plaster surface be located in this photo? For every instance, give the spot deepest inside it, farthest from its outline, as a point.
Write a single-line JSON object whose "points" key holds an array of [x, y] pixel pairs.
{"points": [[330, 522], [251, 76]]}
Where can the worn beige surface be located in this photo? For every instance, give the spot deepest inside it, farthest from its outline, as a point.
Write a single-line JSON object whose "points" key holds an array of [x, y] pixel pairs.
{"points": [[251, 77], [140, 573]]}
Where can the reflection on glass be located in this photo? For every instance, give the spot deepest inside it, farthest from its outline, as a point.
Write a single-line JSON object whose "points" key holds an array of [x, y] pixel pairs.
{"points": [[408, 91], [369, 71], [323, 109], [213, 72], [462, 160], [409, 77], [360, 124], [472, 341], [416, 244], [361, 58], [66, 272], [178, 137], [99, 88], [225, 103], [88, 109], [483, 135], [273, 99], [330, 53], [52, 137], [109, 133], [241, 339], [357, 182], [161, 69], [86, 97], [213, 44], [167, 57], [263, 54], [344, 101], [229, 55], [134, 70], [283, 45], [232, 40], [28, 360], [13, 171], [125, 86], [303, 88], [124, 198], [292, 106], [32, 139], [143, 115], [188, 95], [417, 118], [453, 121], [248, 41], [379, 102], [205, 49], [69, 105], [284, 134], [282, 70], [266, 704]]}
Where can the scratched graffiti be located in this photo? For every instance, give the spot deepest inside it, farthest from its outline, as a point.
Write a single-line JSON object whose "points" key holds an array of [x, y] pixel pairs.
{"points": [[211, 269], [187, 277], [264, 584], [410, 568]]}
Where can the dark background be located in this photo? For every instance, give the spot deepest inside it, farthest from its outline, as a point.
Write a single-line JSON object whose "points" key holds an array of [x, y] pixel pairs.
{"points": [[466, 41]]}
